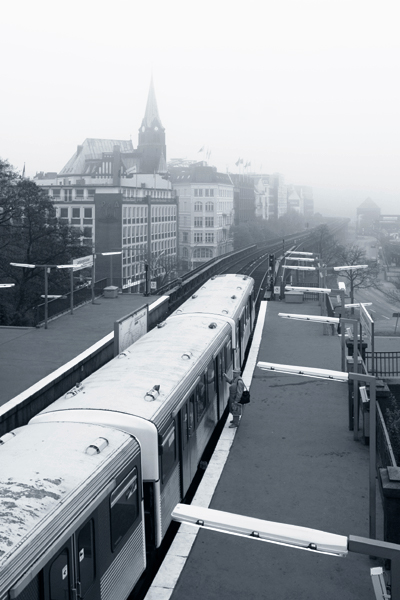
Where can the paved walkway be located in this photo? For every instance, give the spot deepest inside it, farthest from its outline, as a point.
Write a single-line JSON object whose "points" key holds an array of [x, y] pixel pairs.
{"points": [[29, 354], [292, 460]]}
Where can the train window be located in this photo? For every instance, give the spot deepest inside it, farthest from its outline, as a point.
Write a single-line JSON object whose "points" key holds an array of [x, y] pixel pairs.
{"points": [[201, 399], [168, 453], [228, 355], [86, 566], [185, 425], [124, 507], [59, 575], [191, 415]]}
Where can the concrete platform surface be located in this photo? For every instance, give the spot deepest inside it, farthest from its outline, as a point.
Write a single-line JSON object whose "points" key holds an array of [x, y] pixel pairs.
{"points": [[29, 354], [292, 460]]}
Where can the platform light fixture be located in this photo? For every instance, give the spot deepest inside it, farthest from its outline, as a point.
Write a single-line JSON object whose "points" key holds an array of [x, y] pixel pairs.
{"points": [[300, 538], [293, 536], [350, 267]]}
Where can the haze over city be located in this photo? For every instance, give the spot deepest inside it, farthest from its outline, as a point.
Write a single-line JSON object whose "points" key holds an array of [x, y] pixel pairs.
{"points": [[305, 88]]}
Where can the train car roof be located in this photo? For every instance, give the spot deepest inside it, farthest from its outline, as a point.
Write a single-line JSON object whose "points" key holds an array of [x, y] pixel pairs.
{"points": [[220, 295], [47, 478], [170, 357]]}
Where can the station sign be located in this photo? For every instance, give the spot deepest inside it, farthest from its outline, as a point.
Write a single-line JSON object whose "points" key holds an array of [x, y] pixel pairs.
{"points": [[84, 262]]}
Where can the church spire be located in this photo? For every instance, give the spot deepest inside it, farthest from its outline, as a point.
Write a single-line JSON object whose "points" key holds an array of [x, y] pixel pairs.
{"points": [[151, 117], [152, 137]]}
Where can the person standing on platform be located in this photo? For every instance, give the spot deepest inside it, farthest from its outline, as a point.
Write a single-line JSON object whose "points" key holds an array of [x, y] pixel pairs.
{"points": [[236, 389]]}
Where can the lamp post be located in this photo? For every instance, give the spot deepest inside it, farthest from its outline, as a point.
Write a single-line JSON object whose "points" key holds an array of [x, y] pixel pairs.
{"points": [[46, 285], [344, 377]]}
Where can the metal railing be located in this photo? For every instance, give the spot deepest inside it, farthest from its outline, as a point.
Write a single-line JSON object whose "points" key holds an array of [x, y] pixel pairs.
{"points": [[387, 364], [61, 305]]}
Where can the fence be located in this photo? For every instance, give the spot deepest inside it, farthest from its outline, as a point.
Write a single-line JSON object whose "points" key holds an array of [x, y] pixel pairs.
{"points": [[384, 451], [62, 305], [387, 364]]}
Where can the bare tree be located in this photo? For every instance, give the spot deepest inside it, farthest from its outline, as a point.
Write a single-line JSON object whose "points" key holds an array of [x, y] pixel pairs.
{"points": [[358, 278]]}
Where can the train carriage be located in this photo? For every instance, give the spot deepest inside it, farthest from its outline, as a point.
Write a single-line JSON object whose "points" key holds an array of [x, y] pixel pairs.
{"points": [[71, 513], [167, 389], [227, 295]]}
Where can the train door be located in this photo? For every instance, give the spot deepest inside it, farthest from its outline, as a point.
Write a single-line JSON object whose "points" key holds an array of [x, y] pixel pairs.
{"points": [[219, 370], [238, 353], [72, 572], [58, 577], [85, 565], [187, 445]]}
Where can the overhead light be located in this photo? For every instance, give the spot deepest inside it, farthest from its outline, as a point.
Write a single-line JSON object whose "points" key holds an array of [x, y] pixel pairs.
{"points": [[304, 371], [294, 536], [297, 268], [28, 266], [313, 318], [350, 267], [308, 289], [358, 304]]}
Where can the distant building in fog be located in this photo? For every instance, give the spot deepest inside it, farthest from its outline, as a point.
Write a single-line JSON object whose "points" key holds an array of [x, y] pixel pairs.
{"points": [[244, 199], [274, 198], [368, 214], [206, 211], [122, 200]]}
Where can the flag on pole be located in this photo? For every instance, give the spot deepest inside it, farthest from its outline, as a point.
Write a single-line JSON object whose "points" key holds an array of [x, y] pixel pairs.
{"points": [[201, 149], [23, 171], [237, 163]]}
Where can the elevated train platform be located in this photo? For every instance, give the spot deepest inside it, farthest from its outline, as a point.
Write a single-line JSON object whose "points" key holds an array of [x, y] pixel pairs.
{"points": [[292, 460], [28, 354]]}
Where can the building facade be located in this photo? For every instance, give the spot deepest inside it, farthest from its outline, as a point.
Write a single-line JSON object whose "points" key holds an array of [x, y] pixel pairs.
{"points": [[122, 201], [206, 212], [244, 198], [274, 198]]}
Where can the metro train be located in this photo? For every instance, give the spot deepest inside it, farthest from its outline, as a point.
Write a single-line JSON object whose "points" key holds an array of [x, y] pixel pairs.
{"points": [[88, 486]]}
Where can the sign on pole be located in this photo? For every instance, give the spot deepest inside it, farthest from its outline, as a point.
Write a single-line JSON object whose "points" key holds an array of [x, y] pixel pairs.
{"points": [[84, 262]]}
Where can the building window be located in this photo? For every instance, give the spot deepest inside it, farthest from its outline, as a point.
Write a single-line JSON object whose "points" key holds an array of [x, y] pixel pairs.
{"points": [[198, 221], [79, 193], [198, 238], [202, 253], [185, 237], [209, 221], [209, 238], [56, 193], [198, 206], [209, 207], [196, 192]]}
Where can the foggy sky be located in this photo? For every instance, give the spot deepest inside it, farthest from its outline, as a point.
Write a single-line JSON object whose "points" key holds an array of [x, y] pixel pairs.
{"points": [[307, 88]]}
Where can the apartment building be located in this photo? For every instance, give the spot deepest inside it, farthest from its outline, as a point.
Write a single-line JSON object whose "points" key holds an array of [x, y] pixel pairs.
{"points": [[206, 212]]}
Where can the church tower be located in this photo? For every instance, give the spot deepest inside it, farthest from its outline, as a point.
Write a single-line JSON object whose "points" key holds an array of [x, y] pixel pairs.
{"points": [[151, 144]]}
